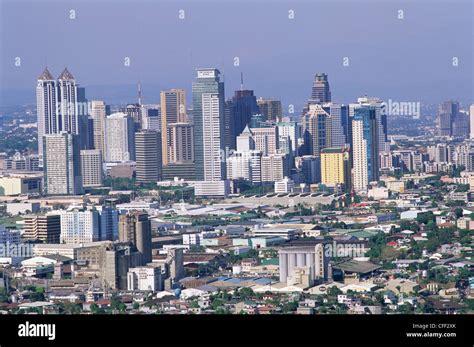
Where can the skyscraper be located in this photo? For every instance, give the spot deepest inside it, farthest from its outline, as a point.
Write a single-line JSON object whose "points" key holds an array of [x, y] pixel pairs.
{"points": [[339, 123], [98, 114], [244, 106], [135, 227], [316, 129], [447, 115], [270, 109], [365, 147], [173, 110], [320, 92], [120, 138], [181, 140], [148, 156], [68, 106], [62, 164], [208, 114], [46, 95]]}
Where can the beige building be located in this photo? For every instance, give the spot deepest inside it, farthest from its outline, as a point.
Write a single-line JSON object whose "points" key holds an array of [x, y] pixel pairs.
{"points": [[173, 110], [20, 184], [181, 143], [98, 115], [91, 168], [45, 228]]}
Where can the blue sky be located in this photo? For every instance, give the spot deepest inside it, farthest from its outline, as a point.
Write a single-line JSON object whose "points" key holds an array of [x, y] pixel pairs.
{"points": [[408, 59]]}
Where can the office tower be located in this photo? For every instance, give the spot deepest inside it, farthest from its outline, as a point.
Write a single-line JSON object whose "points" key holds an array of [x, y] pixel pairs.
{"points": [[44, 227], [339, 123], [151, 117], [208, 91], [185, 171], [316, 129], [309, 167], [148, 156], [460, 119], [336, 167], [79, 226], [448, 113], [290, 130], [108, 227], [173, 110], [120, 138], [91, 168], [320, 92], [46, 95], [365, 147], [245, 165], [228, 127], [62, 164], [68, 103], [98, 114], [266, 139], [270, 109], [181, 143], [274, 167], [134, 111], [312, 259], [384, 144], [244, 106], [135, 227]]}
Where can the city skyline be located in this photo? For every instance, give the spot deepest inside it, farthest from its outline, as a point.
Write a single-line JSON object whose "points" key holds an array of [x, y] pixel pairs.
{"points": [[394, 66]]}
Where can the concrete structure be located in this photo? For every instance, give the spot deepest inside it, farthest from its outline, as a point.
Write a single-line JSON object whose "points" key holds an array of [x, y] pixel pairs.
{"points": [[286, 185], [336, 167], [79, 226], [173, 110], [45, 227], [62, 164], [98, 113], [311, 260], [144, 278], [316, 129], [91, 168], [181, 143], [135, 227], [19, 184], [120, 138], [148, 156], [16, 208], [212, 188]]}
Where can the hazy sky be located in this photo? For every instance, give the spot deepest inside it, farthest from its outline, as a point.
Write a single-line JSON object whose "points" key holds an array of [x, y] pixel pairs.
{"points": [[405, 60]]}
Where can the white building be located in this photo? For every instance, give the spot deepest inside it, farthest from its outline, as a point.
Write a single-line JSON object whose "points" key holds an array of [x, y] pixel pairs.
{"points": [[286, 185], [146, 278], [79, 226], [120, 138], [214, 160], [212, 188], [274, 167], [98, 113]]}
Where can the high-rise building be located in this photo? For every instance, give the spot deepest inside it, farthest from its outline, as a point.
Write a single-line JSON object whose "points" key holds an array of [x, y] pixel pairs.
{"points": [[365, 147], [266, 139], [244, 106], [91, 168], [134, 111], [274, 167], [309, 167], [340, 122], [68, 102], [151, 117], [148, 156], [289, 130], [120, 138], [208, 115], [98, 113], [270, 109], [320, 92], [79, 226], [173, 110], [316, 129], [336, 167], [43, 227], [448, 113], [181, 143], [108, 227], [62, 164], [46, 96], [135, 227]]}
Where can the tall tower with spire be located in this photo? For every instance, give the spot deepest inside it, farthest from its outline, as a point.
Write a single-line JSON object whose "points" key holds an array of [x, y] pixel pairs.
{"points": [[46, 101], [67, 99]]}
